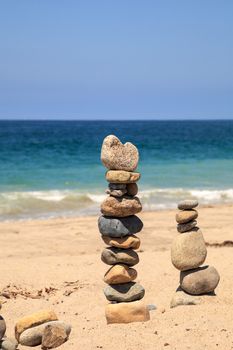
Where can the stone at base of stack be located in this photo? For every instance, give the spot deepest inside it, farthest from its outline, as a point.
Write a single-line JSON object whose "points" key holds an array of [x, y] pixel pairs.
{"points": [[188, 253], [118, 226]]}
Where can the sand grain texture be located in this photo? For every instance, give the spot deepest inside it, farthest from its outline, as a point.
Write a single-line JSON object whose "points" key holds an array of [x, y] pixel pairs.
{"points": [[55, 264]]}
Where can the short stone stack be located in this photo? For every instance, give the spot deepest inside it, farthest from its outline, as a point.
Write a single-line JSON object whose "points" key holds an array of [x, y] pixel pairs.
{"points": [[118, 226], [188, 253], [42, 328]]}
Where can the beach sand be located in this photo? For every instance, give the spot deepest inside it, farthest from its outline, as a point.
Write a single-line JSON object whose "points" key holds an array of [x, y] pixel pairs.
{"points": [[56, 264]]}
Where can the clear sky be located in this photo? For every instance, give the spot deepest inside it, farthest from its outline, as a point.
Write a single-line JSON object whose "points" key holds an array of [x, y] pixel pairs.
{"points": [[116, 59]]}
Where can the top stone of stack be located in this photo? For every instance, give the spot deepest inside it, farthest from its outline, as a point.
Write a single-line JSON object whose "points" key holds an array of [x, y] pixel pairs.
{"points": [[118, 156]]}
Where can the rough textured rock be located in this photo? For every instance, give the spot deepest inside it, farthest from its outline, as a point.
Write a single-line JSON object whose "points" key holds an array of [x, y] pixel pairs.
{"points": [[186, 227], [186, 215], [8, 344], [124, 243], [121, 207], [54, 336], [112, 256], [2, 327], [33, 336], [124, 292], [188, 204], [199, 281], [120, 273], [188, 250], [135, 311], [34, 320], [118, 156], [119, 227], [182, 298], [121, 176], [132, 189]]}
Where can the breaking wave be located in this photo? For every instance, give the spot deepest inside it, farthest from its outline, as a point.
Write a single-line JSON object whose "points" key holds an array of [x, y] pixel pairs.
{"points": [[63, 203]]}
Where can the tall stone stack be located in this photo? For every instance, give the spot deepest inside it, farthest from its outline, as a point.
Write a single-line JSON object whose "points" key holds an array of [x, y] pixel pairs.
{"points": [[189, 252], [118, 225]]}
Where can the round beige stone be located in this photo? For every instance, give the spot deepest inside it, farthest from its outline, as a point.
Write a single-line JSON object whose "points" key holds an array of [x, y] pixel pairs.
{"points": [[188, 250], [118, 156], [186, 215], [121, 207], [121, 176], [124, 243], [199, 281], [120, 274]]}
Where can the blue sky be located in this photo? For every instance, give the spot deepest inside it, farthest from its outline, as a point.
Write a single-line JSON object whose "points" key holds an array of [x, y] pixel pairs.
{"points": [[124, 59]]}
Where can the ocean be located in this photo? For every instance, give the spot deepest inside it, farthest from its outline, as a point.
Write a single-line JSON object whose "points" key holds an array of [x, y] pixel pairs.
{"points": [[53, 168]]}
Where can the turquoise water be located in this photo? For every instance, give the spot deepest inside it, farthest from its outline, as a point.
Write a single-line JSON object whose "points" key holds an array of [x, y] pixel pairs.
{"points": [[53, 168]]}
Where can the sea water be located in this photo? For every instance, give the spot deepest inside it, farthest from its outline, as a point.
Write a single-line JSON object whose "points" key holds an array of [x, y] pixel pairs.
{"points": [[53, 168]]}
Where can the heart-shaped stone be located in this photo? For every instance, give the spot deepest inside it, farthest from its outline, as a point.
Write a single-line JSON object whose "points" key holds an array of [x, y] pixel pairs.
{"points": [[118, 156]]}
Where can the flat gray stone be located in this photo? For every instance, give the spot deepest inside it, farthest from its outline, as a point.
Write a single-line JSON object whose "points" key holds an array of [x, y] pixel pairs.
{"points": [[186, 227], [182, 298], [116, 193], [112, 256], [33, 336], [199, 281], [124, 292], [188, 204], [119, 227], [8, 344]]}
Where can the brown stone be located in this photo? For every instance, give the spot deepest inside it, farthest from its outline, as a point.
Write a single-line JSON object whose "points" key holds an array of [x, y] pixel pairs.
{"points": [[34, 320], [121, 207], [118, 156], [54, 336], [124, 243], [184, 216], [120, 273], [132, 189], [121, 176], [188, 250], [135, 311], [199, 281]]}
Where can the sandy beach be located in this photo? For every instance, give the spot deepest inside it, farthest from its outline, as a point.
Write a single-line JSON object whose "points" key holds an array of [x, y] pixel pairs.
{"points": [[56, 264]]}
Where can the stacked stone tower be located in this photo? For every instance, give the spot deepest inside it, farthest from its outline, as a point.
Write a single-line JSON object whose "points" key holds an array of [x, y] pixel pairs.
{"points": [[189, 252], [118, 226]]}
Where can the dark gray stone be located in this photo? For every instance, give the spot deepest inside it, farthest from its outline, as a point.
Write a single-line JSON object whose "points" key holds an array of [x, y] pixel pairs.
{"points": [[113, 186], [188, 204], [119, 227], [186, 227], [112, 256], [124, 292]]}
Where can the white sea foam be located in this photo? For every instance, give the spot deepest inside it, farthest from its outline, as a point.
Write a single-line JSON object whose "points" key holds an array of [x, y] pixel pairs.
{"points": [[52, 203]]}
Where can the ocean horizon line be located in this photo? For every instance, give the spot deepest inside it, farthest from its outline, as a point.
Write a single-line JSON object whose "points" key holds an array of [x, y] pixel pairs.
{"points": [[118, 120]]}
